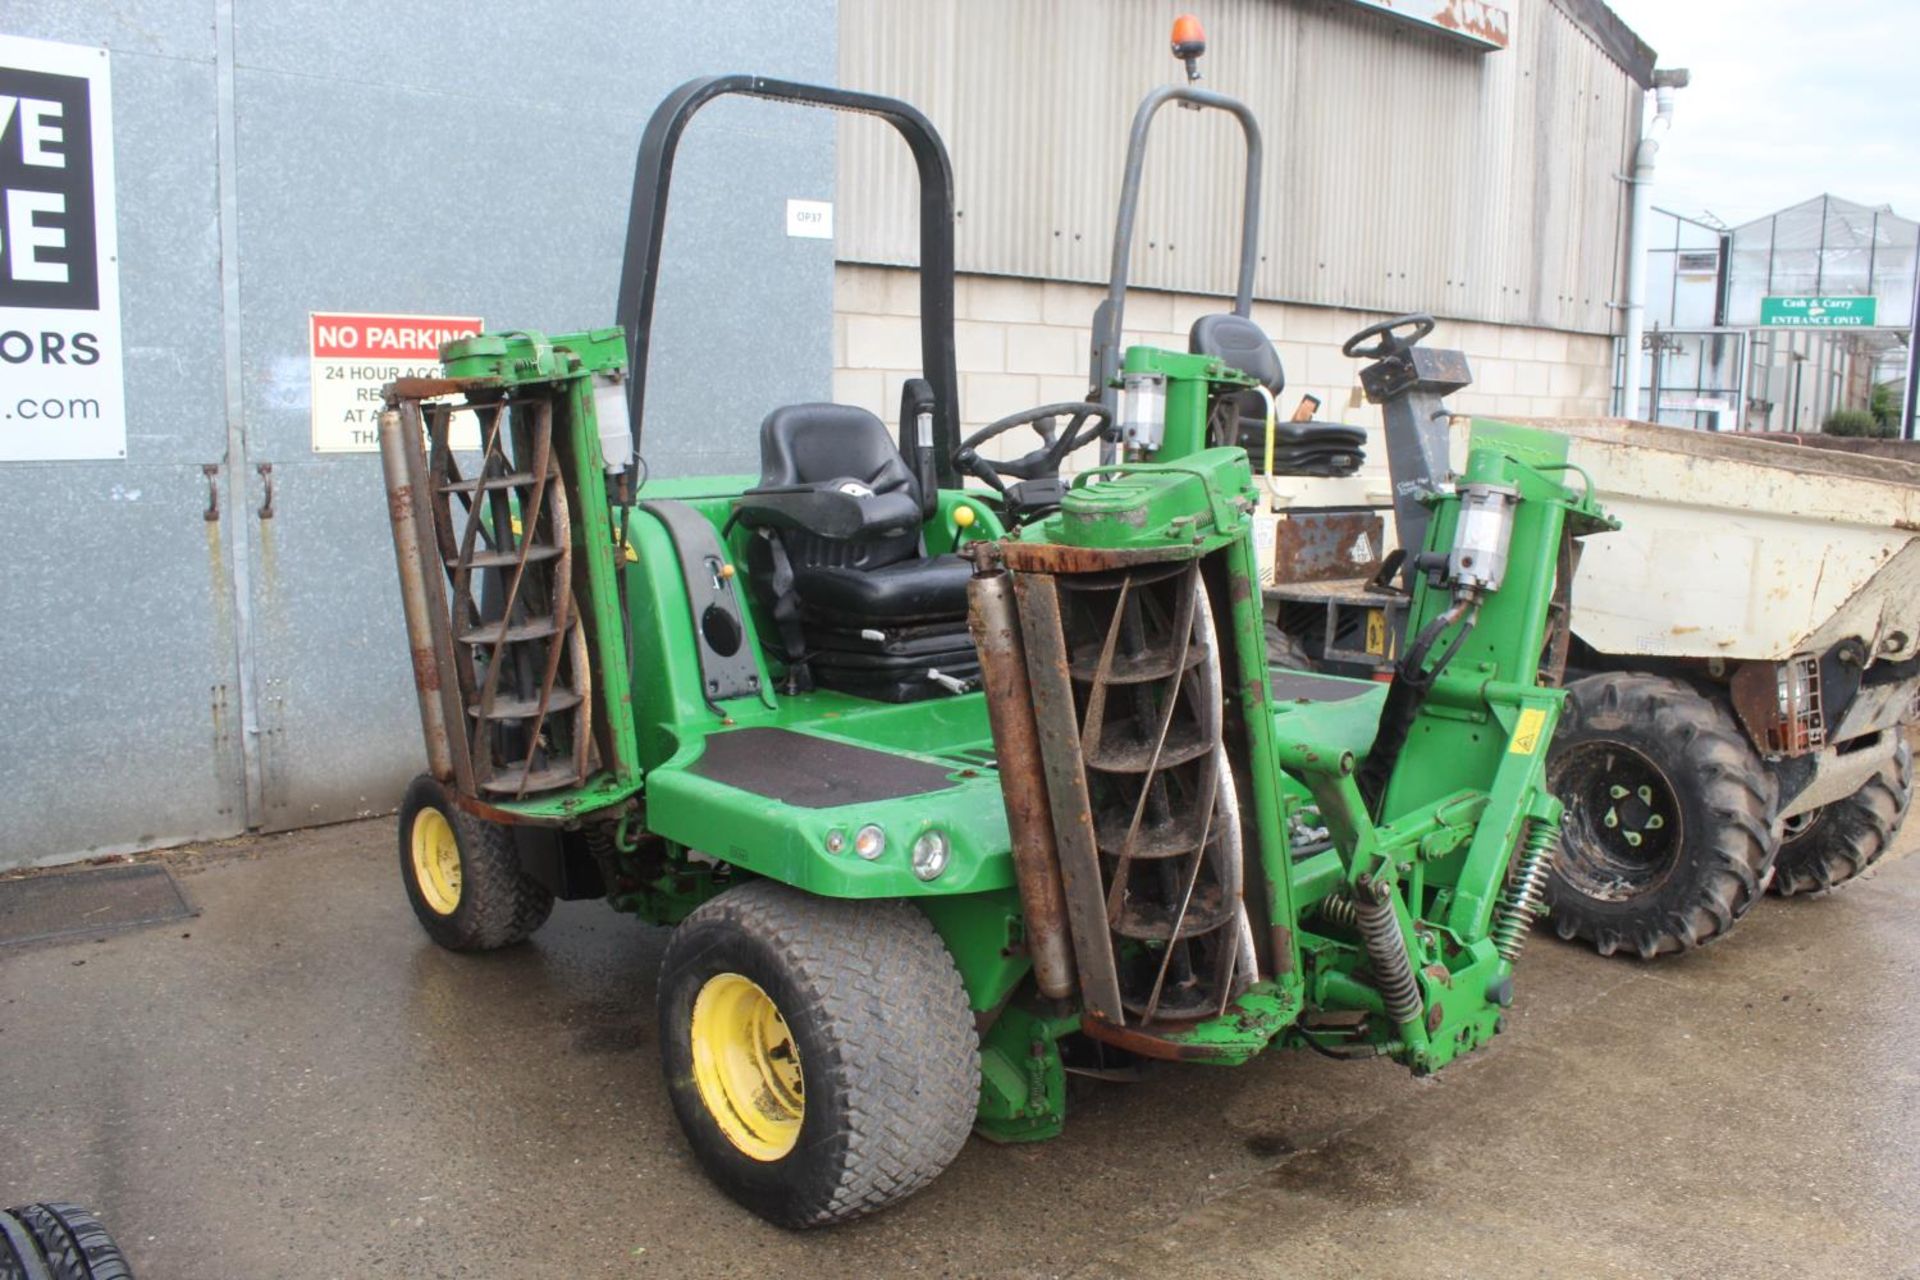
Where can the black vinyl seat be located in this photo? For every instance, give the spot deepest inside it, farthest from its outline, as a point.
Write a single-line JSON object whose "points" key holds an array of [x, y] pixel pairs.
{"points": [[906, 591], [841, 562], [1299, 448]]}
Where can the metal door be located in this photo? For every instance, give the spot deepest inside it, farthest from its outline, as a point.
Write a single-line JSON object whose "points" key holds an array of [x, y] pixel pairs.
{"points": [[415, 195], [119, 658]]}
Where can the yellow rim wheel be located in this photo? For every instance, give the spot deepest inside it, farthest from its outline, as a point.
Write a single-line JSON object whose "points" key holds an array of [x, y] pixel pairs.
{"points": [[436, 861], [747, 1066]]}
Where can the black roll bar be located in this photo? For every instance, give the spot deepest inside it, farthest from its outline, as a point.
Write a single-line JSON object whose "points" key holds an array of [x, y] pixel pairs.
{"points": [[647, 222], [1105, 358]]}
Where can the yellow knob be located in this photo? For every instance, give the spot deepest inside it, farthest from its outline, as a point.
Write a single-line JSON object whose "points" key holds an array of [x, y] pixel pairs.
{"points": [[963, 517], [726, 571]]}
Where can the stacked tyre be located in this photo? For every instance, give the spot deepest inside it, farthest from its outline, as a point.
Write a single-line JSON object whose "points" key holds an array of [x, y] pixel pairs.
{"points": [[57, 1241]]}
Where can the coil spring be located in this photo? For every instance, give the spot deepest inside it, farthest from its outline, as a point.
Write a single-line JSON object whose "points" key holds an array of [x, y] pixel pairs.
{"points": [[1526, 895], [1338, 910], [1392, 970]]}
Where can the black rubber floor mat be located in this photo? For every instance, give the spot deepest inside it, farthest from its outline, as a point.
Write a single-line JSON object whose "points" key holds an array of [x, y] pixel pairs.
{"points": [[813, 773], [88, 903]]}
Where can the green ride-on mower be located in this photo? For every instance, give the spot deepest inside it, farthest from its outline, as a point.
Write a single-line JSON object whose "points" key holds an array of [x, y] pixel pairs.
{"points": [[943, 787]]}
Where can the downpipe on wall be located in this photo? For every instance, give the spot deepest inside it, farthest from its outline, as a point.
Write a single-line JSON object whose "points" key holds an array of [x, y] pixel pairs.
{"points": [[1645, 155]]}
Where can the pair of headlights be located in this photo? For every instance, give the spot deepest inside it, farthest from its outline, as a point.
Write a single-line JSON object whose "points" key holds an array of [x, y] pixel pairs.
{"points": [[929, 856]]}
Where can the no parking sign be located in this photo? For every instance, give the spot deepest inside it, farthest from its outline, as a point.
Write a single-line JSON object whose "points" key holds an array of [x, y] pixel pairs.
{"points": [[355, 354]]}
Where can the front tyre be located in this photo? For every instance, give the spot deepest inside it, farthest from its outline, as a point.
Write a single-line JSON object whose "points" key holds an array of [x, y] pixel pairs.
{"points": [[820, 1054], [463, 874], [1836, 842], [1668, 836]]}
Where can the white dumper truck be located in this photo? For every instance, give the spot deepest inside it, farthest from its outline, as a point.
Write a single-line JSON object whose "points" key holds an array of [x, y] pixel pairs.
{"points": [[1741, 665]]}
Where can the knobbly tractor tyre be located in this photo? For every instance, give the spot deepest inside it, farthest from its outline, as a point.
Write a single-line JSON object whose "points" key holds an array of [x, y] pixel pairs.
{"points": [[820, 1054], [1831, 845], [1668, 835], [463, 874], [59, 1241]]}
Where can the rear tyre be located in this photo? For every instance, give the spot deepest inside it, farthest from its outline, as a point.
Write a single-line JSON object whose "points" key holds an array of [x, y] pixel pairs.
{"points": [[820, 1054], [1831, 845], [1668, 836], [463, 874], [59, 1240]]}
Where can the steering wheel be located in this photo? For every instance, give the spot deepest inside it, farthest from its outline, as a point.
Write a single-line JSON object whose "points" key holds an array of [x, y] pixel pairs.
{"points": [[1043, 463], [1388, 344]]}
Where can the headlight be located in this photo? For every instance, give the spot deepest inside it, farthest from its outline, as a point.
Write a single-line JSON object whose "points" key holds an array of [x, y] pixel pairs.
{"points": [[870, 842], [836, 841], [930, 854]]}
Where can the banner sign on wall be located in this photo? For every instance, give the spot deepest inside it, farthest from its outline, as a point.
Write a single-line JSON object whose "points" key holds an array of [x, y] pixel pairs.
{"points": [[61, 392], [354, 355]]}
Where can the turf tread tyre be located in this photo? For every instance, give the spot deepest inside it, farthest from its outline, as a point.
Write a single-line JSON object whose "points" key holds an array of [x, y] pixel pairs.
{"points": [[1725, 796], [1849, 835], [72, 1243], [888, 1049], [500, 904]]}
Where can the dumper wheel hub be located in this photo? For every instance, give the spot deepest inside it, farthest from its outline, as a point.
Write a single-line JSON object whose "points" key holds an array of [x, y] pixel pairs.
{"points": [[1622, 820], [436, 861], [747, 1066]]}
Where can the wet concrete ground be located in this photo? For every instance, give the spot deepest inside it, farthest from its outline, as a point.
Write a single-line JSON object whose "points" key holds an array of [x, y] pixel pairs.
{"points": [[297, 1084]]}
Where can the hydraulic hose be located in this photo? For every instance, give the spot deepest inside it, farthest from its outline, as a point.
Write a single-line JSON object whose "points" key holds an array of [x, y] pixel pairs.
{"points": [[1413, 680]]}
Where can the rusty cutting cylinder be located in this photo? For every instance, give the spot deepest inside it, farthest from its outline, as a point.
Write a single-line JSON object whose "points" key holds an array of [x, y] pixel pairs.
{"points": [[994, 620]]}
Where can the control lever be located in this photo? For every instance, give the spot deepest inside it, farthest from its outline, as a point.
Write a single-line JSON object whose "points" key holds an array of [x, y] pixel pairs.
{"points": [[916, 440]]}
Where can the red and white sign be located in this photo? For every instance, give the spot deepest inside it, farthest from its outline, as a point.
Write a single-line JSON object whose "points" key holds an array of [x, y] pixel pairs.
{"points": [[354, 355]]}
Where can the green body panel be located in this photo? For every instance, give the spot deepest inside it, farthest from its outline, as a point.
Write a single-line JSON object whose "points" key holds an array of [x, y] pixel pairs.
{"points": [[1023, 1086], [1191, 382]]}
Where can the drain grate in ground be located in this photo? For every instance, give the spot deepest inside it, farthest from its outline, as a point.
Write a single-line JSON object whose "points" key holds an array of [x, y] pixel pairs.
{"points": [[90, 902]]}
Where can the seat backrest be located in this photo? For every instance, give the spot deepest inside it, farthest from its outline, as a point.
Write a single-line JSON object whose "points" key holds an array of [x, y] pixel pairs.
{"points": [[829, 444], [1241, 344], [811, 443]]}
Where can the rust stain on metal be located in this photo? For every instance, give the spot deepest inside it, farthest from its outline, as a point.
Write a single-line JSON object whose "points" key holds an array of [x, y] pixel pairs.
{"points": [[426, 672], [1053, 557], [1282, 942], [1145, 1043], [1327, 546], [1058, 734], [432, 388], [993, 620]]}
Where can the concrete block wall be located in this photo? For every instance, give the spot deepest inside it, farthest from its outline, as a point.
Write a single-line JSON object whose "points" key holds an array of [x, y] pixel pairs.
{"points": [[1022, 343]]}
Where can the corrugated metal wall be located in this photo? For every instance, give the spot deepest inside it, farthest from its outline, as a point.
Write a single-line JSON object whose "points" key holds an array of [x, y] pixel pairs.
{"points": [[1404, 172], [167, 674]]}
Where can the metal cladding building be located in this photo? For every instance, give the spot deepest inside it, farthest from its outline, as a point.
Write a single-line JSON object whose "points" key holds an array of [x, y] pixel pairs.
{"points": [[258, 212], [1458, 158]]}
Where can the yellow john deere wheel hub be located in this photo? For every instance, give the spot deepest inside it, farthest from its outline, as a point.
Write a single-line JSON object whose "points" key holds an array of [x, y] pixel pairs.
{"points": [[747, 1066], [436, 861]]}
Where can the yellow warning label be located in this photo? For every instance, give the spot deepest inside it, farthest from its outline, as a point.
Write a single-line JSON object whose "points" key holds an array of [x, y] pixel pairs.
{"points": [[1526, 734], [1376, 631]]}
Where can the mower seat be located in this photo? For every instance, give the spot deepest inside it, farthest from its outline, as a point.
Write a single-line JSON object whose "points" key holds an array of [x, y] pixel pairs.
{"points": [[1299, 448], [840, 560]]}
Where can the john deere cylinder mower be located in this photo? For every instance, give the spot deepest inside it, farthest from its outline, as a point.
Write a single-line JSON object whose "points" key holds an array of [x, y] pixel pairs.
{"points": [[943, 786]]}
